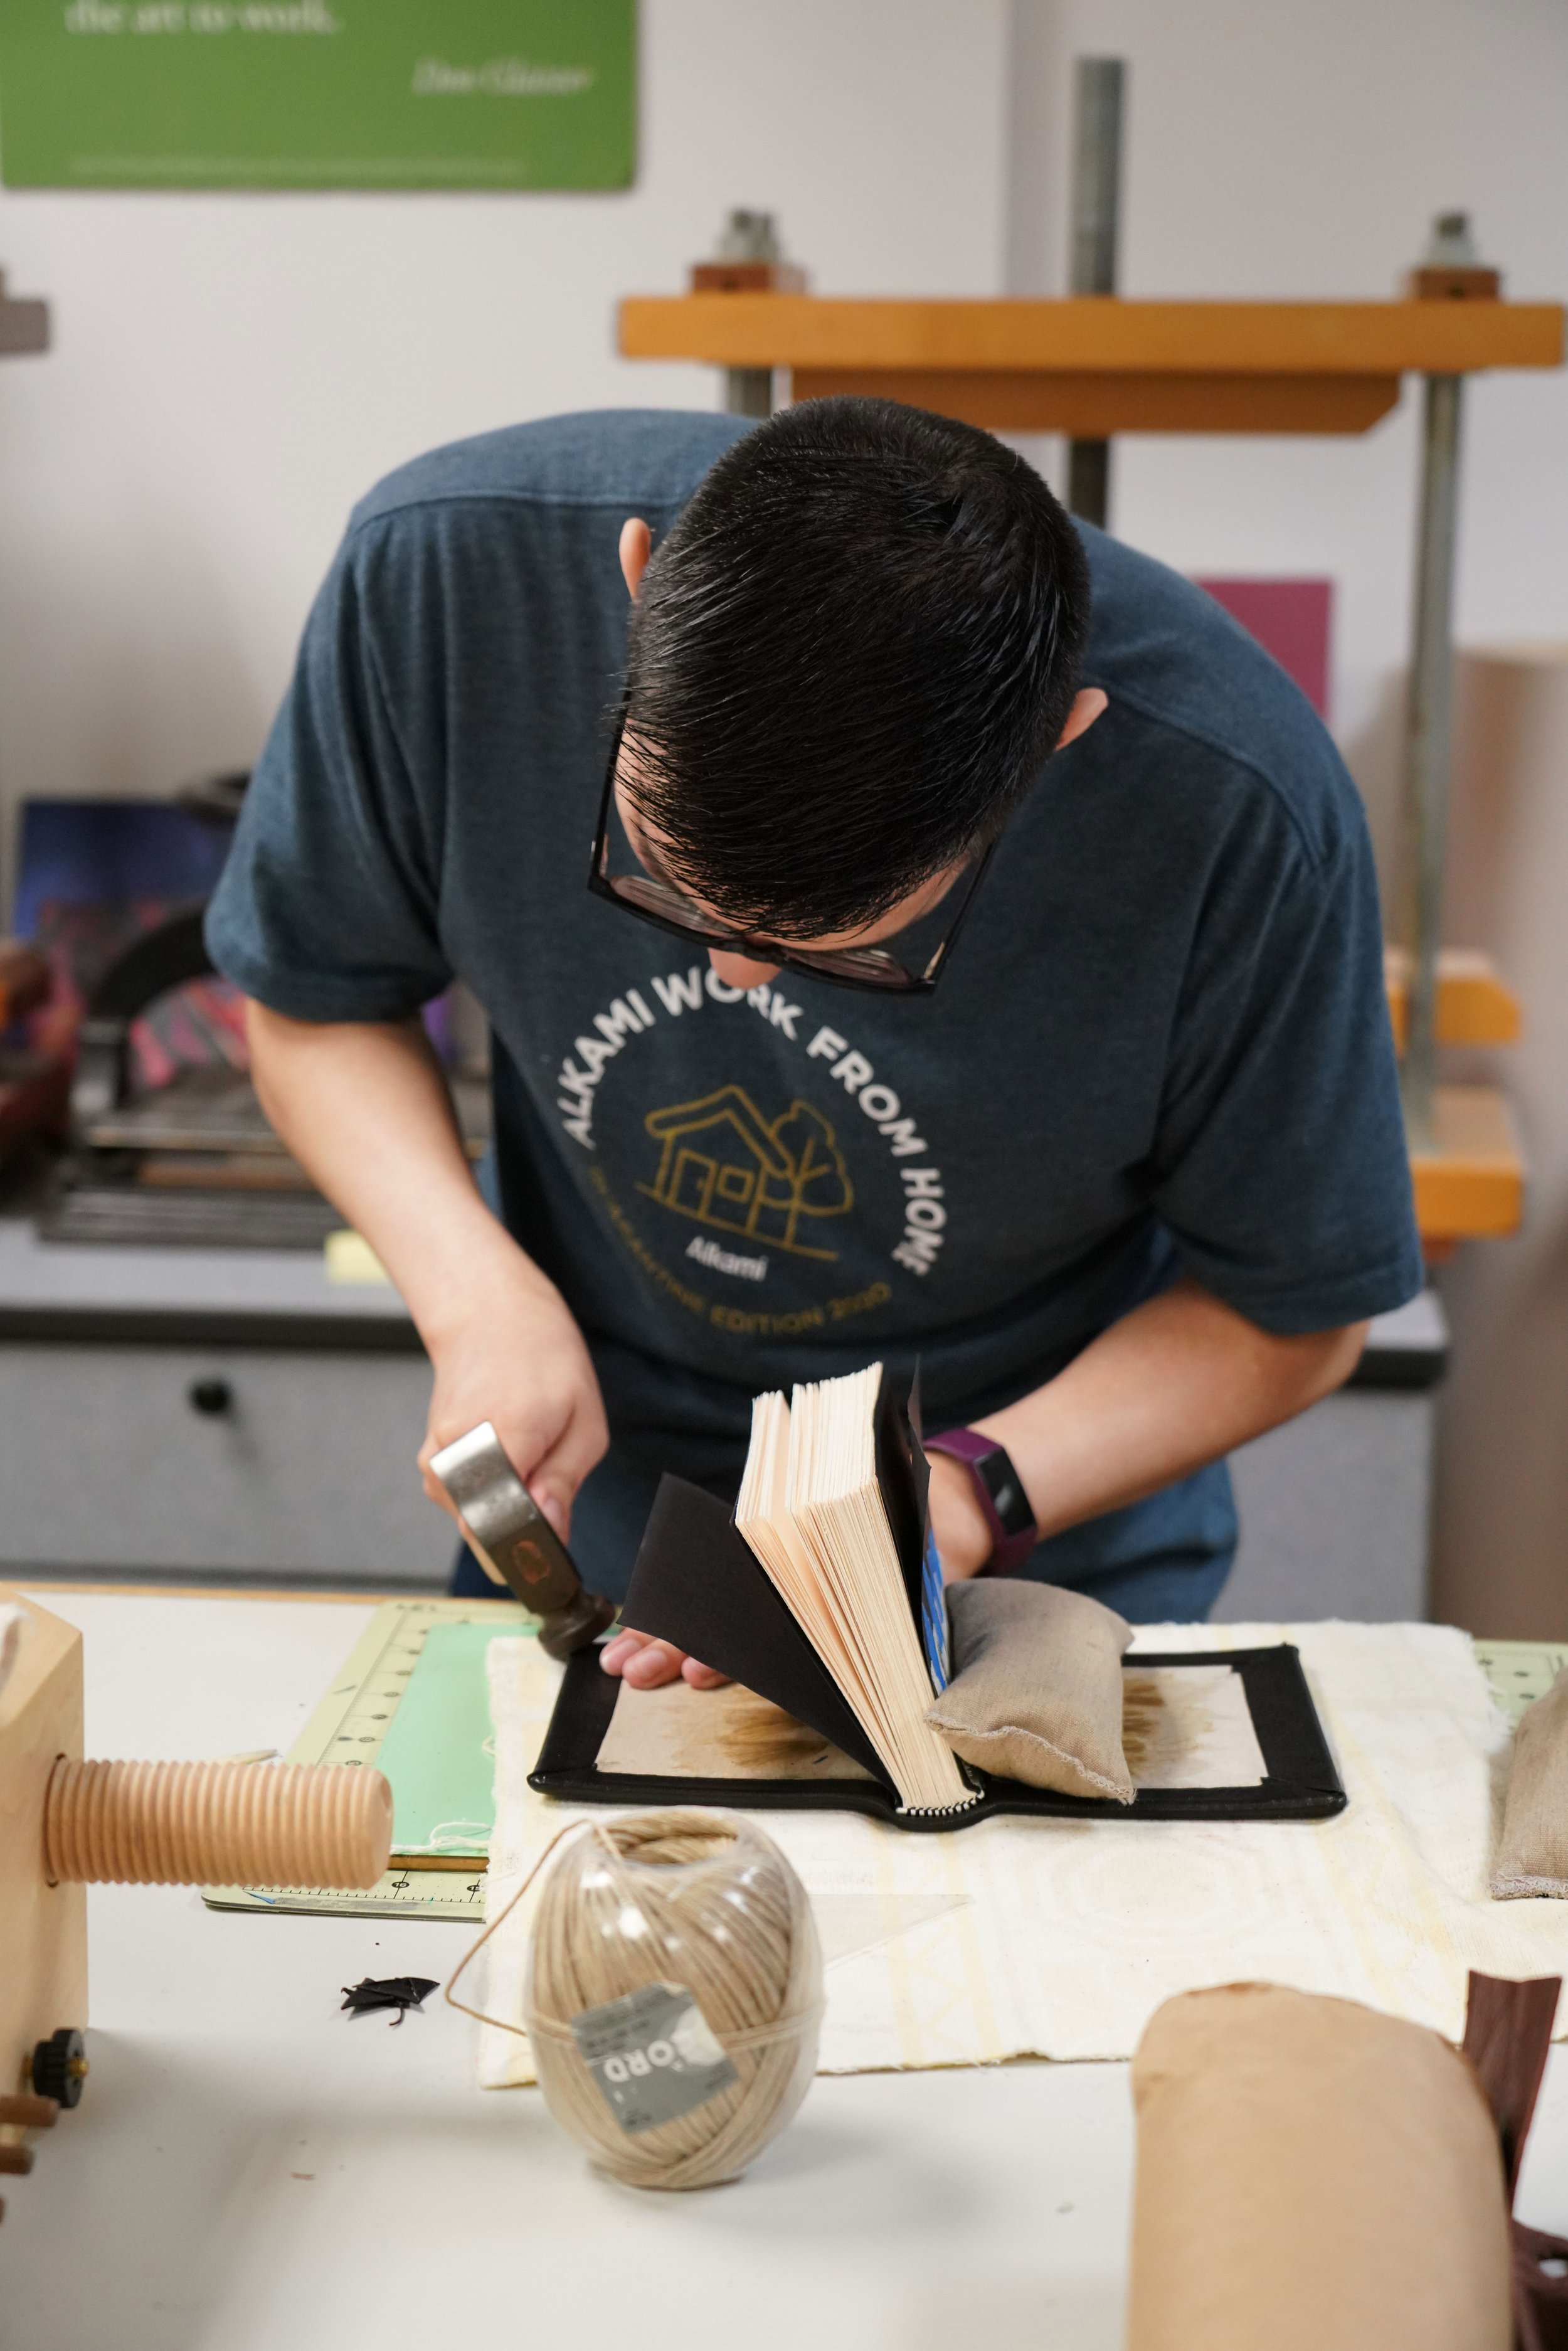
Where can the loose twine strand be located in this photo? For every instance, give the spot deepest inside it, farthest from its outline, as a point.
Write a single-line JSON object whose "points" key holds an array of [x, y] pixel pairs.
{"points": [[700, 1899]]}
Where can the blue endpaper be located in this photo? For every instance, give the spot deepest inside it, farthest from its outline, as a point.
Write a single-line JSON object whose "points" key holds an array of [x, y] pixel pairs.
{"points": [[933, 1617]]}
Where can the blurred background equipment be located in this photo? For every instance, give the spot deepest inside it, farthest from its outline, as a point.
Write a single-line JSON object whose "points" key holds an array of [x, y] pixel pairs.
{"points": [[168, 1145], [163, 1278], [24, 323], [163, 1281], [33, 1084]]}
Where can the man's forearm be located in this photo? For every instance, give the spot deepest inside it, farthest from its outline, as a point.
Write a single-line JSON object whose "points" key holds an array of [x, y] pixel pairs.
{"points": [[364, 1108], [1174, 1384]]}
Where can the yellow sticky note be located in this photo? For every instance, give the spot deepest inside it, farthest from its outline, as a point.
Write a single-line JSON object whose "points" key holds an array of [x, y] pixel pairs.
{"points": [[351, 1258]]}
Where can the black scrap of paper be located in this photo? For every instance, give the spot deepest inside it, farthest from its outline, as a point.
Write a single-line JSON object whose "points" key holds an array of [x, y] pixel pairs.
{"points": [[401, 1992]]}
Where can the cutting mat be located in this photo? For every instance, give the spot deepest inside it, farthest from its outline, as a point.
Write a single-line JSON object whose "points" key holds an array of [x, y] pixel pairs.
{"points": [[1521, 1671], [351, 1722], [349, 1727]]}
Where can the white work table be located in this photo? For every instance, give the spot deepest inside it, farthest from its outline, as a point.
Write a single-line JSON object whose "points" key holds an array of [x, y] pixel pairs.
{"points": [[251, 2170]]}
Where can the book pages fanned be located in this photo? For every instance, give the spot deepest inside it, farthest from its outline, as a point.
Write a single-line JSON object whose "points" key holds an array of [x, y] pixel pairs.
{"points": [[812, 1510]]}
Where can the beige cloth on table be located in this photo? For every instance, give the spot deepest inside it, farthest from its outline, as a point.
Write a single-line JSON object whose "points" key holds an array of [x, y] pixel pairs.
{"points": [[1036, 1693], [1533, 1855], [1312, 2176], [1060, 1938]]}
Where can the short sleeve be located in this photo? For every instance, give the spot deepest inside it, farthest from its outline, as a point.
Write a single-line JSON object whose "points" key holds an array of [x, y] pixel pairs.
{"points": [[326, 907], [1281, 1165]]}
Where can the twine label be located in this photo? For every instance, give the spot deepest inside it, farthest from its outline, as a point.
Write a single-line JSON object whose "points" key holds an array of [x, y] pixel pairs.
{"points": [[652, 2055]]}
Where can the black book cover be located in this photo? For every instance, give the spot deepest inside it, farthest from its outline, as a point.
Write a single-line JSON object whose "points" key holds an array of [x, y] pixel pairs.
{"points": [[1303, 1783], [698, 1583], [904, 1474]]}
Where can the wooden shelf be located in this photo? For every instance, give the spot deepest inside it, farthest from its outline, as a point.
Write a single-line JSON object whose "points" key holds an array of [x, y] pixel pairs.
{"points": [[1098, 365], [1474, 1004], [1096, 332], [1470, 1184]]}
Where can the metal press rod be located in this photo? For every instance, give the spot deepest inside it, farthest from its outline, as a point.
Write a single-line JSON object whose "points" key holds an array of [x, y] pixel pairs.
{"points": [[749, 237], [1428, 754], [1099, 85]]}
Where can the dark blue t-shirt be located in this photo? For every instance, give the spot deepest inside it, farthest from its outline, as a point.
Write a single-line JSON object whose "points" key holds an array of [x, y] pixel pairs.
{"points": [[1161, 1043]]}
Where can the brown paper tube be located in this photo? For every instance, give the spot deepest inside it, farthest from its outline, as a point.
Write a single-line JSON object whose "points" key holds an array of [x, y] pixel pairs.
{"points": [[216, 1824], [1312, 2174]]}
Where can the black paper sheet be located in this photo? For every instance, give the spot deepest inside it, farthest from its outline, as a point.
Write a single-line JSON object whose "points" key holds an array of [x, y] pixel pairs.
{"points": [[698, 1583]]}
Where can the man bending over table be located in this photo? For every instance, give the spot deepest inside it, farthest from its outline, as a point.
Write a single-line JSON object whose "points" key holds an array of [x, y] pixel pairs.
{"points": [[911, 925]]}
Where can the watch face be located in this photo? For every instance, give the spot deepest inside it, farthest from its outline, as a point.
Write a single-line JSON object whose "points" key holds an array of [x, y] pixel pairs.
{"points": [[1008, 1496]]}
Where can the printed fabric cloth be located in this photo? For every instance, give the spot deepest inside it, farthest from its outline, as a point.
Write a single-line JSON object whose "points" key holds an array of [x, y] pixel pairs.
{"points": [[1060, 1939]]}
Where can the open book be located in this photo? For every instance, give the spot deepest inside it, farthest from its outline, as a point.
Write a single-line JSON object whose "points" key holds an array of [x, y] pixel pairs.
{"points": [[820, 1597], [833, 1505]]}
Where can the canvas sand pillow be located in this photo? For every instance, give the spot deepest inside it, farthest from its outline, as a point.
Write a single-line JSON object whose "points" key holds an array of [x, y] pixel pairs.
{"points": [[1036, 1693], [1533, 1855]]}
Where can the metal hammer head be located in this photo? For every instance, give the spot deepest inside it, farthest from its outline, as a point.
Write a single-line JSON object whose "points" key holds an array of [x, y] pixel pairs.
{"points": [[514, 1542]]}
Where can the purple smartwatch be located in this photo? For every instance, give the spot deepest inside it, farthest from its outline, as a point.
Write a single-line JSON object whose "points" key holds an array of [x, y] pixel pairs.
{"points": [[998, 1489]]}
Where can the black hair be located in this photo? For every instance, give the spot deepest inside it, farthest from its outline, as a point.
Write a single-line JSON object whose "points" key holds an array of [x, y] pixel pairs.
{"points": [[849, 659]]}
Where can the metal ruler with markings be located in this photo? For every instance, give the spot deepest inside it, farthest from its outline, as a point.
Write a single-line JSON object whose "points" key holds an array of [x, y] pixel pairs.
{"points": [[348, 1728]]}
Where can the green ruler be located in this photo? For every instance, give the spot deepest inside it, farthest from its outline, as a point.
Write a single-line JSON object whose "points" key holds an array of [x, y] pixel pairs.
{"points": [[349, 1728], [1520, 1671]]}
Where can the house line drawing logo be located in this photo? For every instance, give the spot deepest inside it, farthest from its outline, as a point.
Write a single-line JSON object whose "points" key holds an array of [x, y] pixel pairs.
{"points": [[724, 1165]]}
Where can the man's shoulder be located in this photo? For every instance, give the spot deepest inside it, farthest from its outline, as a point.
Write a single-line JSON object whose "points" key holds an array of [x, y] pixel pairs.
{"points": [[1192, 679], [630, 458]]}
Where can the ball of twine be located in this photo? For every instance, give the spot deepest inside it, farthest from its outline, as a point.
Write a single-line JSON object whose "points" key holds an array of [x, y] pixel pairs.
{"points": [[700, 1899]]}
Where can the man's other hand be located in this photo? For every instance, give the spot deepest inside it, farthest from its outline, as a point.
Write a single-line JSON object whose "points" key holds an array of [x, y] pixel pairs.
{"points": [[964, 1540], [648, 1663]]}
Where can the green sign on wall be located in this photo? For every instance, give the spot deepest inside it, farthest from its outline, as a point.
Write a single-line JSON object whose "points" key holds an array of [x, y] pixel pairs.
{"points": [[318, 93]]}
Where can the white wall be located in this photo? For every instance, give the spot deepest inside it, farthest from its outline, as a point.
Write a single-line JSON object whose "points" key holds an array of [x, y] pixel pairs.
{"points": [[231, 372]]}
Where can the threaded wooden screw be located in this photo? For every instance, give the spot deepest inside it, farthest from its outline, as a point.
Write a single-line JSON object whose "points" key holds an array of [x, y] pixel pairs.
{"points": [[216, 1824]]}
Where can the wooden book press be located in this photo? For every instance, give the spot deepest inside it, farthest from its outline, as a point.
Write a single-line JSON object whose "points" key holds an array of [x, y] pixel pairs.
{"points": [[66, 1824]]}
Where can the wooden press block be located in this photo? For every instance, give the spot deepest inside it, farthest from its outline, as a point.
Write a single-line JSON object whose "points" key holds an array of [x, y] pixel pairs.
{"points": [[43, 1927], [1475, 1004], [1469, 1181]]}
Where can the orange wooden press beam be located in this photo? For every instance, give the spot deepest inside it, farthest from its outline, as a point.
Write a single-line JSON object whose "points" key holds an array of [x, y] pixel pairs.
{"points": [[1094, 365]]}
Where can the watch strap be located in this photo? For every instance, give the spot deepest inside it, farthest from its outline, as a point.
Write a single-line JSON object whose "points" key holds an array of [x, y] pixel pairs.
{"points": [[999, 1492]]}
